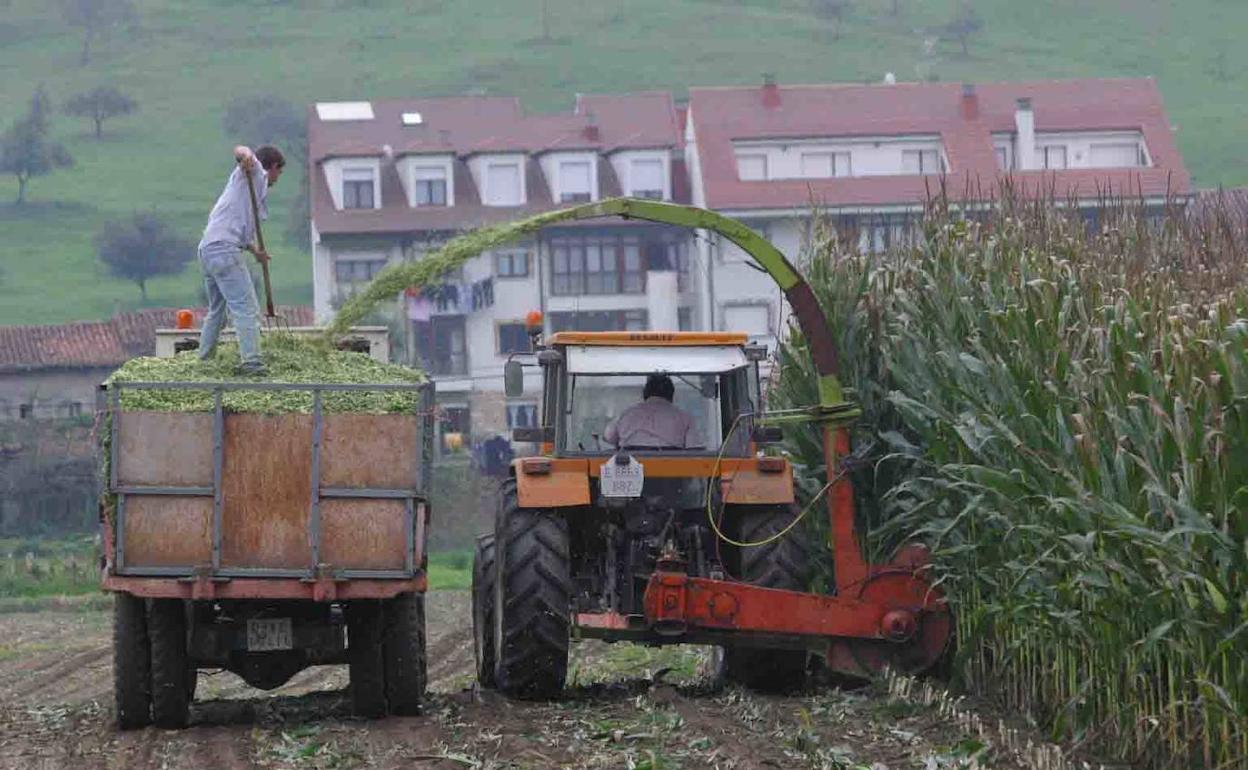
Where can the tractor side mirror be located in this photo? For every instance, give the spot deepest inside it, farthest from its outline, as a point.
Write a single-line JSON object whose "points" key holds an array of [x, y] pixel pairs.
{"points": [[513, 379], [768, 434]]}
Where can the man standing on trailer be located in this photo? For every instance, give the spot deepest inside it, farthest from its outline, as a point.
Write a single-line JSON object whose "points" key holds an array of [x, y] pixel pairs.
{"points": [[231, 230]]}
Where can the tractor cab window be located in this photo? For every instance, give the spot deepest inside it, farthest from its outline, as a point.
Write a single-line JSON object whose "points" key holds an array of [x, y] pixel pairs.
{"points": [[595, 401]]}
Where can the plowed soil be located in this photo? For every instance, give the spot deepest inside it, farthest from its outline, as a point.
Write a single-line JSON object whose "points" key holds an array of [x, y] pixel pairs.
{"points": [[626, 706]]}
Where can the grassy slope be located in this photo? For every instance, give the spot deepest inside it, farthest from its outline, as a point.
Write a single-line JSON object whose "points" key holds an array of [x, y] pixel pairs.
{"points": [[190, 57]]}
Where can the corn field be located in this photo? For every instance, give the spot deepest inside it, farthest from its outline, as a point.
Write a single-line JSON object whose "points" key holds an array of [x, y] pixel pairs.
{"points": [[1060, 410]]}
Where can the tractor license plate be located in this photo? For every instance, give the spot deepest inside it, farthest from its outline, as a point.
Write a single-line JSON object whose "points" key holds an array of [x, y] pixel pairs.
{"points": [[621, 480], [265, 634]]}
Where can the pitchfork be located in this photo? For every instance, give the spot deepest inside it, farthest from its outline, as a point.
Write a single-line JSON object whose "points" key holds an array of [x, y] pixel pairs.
{"points": [[271, 319]]}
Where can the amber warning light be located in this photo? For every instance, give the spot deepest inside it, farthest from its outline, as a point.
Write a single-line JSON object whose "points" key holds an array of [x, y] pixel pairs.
{"points": [[533, 321], [186, 319]]}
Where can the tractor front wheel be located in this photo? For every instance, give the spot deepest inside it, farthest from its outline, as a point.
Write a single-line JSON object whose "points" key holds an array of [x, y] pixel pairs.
{"points": [[779, 561], [532, 599]]}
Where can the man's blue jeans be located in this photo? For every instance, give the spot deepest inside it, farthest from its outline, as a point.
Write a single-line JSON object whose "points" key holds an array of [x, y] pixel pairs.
{"points": [[228, 283]]}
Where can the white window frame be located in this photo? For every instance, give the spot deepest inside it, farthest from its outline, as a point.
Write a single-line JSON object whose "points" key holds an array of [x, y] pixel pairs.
{"points": [[565, 192], [513, 407], [924, 154], [490, 194], [1044, 154], [1139, 154], [360, 174], [431, 173], [636, 190], [752, 156], [510, 255], [812, 165], [764, 306]]}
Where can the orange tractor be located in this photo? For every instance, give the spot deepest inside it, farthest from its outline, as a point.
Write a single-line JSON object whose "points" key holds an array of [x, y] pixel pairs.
{"points": [[693, 543]]}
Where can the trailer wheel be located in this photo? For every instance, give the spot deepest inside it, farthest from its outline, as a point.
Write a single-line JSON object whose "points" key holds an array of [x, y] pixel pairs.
{"points": [[132, 652], [404, 653], [171, 692], [782, 563], [483, 577], [532, 599], [367, 662]]}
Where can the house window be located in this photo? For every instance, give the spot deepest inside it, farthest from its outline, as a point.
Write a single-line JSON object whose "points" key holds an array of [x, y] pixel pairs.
{"points": [[73, 408], [920, 162], [646, 179], [1054, 156], [751, 167], [352, 273], [602, 265], [514, 338], [600, 321], [521, 416], [1004, 159], [357, 188], [754, 320], [1120, 155], [429, 183], [684, 319], [511, 264], [502, 184], [825, 165], [440, 345], [26, 411], [575, 185]]}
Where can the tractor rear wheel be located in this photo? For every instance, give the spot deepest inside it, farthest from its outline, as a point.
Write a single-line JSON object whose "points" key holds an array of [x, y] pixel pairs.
{"points": [[171, 687], [532, 599], [780, 563], [404, 653], [367, 662], [132, 661], [483, 577]]}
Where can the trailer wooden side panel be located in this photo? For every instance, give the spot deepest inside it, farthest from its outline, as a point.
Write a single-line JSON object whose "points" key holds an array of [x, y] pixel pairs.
{"points": [[363, 534], [164, 449], [373, 451], [168, 531], [266, 491]]}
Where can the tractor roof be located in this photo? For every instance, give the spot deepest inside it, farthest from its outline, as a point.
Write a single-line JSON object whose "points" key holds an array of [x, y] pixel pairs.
{"points": [[650, 339]]}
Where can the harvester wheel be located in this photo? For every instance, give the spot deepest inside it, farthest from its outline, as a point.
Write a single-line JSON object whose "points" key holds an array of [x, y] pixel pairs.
{"points": [[132, 661], [171, 691], [781, 563], [532, 599], [367, 663], [483, 577], [404, 652]]}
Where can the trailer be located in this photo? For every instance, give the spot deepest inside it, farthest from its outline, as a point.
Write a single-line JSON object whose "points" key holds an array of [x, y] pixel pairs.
{"points": [[263, 544]]}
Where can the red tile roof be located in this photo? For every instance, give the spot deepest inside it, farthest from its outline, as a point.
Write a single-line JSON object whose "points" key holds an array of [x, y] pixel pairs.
{"points": [[468, 125], [91, 344], [722, 115]]}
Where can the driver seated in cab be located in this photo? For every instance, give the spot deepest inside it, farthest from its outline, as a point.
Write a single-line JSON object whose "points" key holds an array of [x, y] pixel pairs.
{"points": [[655, 423]]}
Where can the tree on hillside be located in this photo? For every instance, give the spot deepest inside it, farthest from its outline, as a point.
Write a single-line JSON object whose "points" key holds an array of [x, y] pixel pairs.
{"points": [[96, 17], [834, 12], [266, 119], [964, 24], [99, 105], [26, 150], [142, 248]]}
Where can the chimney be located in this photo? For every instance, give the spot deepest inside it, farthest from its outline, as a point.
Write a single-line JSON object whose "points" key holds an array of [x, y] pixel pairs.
{"points": [[1025, 138], [591, 131], [970, 102], [771, 92]]}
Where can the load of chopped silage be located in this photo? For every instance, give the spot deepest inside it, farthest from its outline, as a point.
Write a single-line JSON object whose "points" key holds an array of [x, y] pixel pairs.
{"points": [[289, 359]]}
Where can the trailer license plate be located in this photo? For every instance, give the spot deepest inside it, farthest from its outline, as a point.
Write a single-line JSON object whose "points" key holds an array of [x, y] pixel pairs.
{"points": [[269, 634], [621, 480]]}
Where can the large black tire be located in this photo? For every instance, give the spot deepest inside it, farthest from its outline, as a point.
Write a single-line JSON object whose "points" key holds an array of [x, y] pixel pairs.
{"points": [[171, 692], [404, 653], [132, 660], [483, 577], [782, 563], [532, 599], [365, 631]]}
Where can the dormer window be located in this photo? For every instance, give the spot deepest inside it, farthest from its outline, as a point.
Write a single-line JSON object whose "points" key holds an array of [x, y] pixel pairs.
{"points": [[502, 184], [921, 162], [429, 185], [751, 167], [1054, 156], [646, 179], [575, 181], [357, 188]]}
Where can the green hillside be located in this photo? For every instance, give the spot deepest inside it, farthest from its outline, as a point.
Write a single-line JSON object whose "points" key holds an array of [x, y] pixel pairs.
{"points": [[184, 61]]}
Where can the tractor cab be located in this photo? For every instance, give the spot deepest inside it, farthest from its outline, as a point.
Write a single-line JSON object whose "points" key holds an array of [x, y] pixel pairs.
{"points": [[590, 379]]}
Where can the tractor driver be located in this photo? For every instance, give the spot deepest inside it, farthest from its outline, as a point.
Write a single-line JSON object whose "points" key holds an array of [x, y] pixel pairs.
{"points": [[655, 423]]}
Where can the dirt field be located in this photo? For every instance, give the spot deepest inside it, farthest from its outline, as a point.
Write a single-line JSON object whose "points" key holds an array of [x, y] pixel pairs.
{"points": [[627, 706]]}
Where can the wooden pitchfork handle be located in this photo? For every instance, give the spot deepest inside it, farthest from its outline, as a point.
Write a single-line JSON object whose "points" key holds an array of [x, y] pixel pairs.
{"points": [[264, 263]]}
